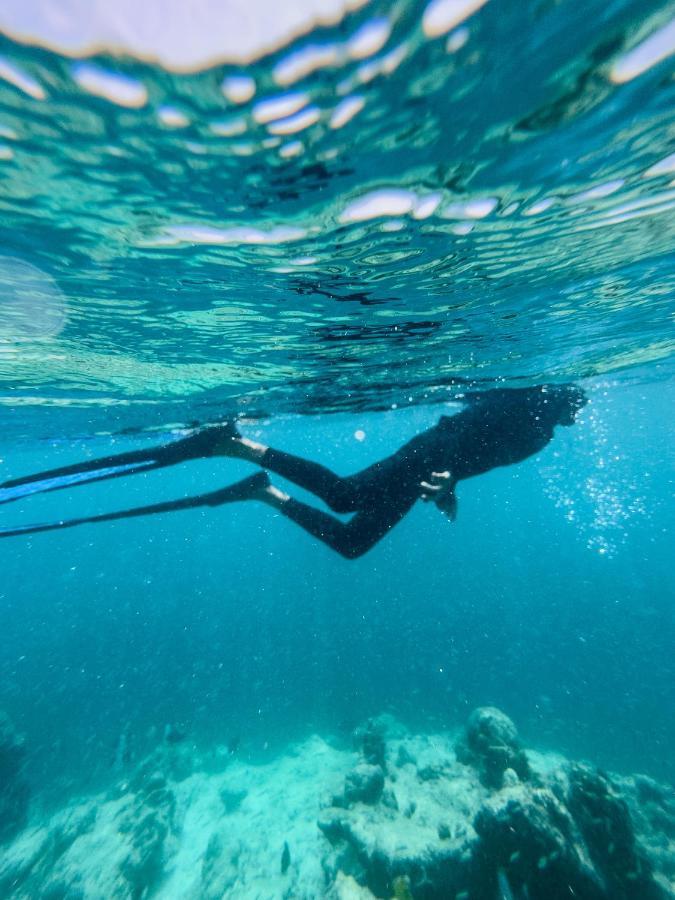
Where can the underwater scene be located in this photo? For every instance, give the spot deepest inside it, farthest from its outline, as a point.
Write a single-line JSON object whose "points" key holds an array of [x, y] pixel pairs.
{"points": [[337, 450]]}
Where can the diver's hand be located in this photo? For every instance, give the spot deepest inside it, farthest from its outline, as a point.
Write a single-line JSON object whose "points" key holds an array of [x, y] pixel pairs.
{"points": [[441, 490], [433, 489]]}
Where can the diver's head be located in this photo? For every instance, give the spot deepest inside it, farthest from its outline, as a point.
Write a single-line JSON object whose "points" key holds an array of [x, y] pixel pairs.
{"points": [[562, 402]]}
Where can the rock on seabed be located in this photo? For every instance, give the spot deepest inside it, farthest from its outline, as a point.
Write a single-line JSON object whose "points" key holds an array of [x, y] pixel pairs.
{"points": [[399, 815]]}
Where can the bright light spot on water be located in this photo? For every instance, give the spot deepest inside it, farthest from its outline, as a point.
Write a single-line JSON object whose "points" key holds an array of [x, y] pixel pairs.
{"points": [[457, 40], [600, 190], [368, 71], [392, 60], [634, 209], [172, 117], [292, 149], [442, 15], [379, 203], [278, 107], [292, 124], [471, 209], [6, 152], [8, 133], [303, 261], [657, 47], [391, 202], [369, 39], [663, 167], [238, 234], [427, 206], [21, 80], [120, 89], [196, 148], [243, 149], [304, 62], [463, 228], [359, 434], [384, 65], [539, 207], [228, 127], [346, 110], [393, 225], [238, 88]]}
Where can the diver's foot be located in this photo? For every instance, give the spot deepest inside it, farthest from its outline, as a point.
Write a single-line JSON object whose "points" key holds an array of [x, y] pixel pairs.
{"points": [[252, 488], [236, 447], [207, 440], [222, 436]]}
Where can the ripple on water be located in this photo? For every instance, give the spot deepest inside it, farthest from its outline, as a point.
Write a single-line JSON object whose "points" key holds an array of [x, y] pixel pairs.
{"points": [[407, 161]]}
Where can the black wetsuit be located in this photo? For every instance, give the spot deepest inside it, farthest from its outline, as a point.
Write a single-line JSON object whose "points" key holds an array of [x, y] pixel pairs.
{"points": [[498, 429], [484, 436]]}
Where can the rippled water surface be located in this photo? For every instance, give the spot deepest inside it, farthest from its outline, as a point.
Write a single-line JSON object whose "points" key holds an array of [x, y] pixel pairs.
{"points": [[414, 198]]}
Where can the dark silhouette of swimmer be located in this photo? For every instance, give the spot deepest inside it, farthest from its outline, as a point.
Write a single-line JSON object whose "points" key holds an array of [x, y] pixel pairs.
{"points": [[496, 428]]}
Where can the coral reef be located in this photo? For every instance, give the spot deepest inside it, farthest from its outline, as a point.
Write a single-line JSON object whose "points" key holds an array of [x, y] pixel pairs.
{"points": [[490, 744], [495, 821], [403, 816]]}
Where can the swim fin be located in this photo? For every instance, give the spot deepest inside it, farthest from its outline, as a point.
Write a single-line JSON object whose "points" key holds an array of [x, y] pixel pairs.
{"points": [[240, 490], [200, 443]]}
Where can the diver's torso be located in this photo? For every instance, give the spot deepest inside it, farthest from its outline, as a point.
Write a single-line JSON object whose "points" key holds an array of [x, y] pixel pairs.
{"points": [[483, 437]]}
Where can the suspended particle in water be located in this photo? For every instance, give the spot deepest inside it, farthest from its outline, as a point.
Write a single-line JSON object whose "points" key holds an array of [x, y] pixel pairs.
{"points": [[359, 434], [33, 307]]}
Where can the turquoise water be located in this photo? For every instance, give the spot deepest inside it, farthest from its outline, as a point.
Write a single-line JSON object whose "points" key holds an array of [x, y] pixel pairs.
{"points": [[422, 216]]}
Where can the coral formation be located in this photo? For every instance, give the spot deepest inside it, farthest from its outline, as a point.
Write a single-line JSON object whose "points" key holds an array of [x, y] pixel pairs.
{"points": [[401, 817], [490, 743]]}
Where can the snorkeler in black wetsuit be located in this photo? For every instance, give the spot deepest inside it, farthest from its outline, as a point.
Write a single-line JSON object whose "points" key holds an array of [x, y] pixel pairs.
{"points": [[497, 428]]}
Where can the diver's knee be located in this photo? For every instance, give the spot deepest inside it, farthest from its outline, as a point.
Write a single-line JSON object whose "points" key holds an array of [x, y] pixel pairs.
{"points": [[354, 550]]}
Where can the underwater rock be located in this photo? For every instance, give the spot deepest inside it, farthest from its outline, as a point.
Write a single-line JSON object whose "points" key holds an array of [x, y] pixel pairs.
{"points": [[345, 887], [143, 863], [146, 818], [369, 739], [605, 823], [530, 835], [490, 744], [174, 734], [548, 832], [14, 792], [31, 867], [389, 799], [232, 800], [364, 784], [219, 867], [404, 757]]}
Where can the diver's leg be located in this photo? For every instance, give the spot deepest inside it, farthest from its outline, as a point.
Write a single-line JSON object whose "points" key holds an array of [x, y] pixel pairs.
{"points": [[341, 494], [349, 539]]}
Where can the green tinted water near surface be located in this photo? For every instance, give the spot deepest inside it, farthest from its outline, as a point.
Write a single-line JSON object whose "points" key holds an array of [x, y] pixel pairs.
{"points": [[379, 214]]}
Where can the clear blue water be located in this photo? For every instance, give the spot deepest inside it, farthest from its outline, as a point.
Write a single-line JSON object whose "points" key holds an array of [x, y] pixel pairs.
{"points": [[498, 211]]}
